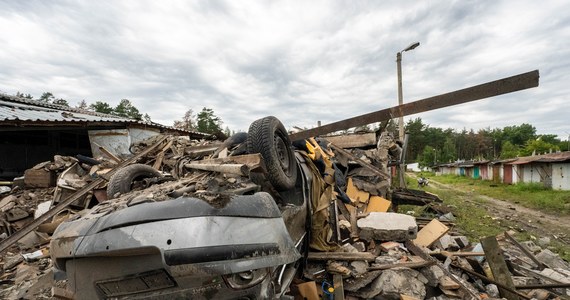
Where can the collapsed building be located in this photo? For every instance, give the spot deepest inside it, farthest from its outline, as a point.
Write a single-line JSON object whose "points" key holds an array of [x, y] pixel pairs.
{"points": [[32, 132], [260, 215]]}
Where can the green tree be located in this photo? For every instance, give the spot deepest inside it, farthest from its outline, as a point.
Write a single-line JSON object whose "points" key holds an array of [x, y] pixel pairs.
{"points": [[26, 96], [82, 105], [61, 102], [537, 146], [126, 109], [188, 121], [518, 135], [508, 150], [146, 118], [208, 122], [101, 107], [428, 157], [448, 152], [46, 97]]}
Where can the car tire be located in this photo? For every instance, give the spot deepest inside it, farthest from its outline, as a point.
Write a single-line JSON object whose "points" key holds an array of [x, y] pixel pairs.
{"points": [[268, 137], [121, 182]]}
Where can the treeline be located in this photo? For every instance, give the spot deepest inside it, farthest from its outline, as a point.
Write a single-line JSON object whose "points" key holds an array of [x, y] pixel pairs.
{"points": [[205, 121], [430, 145], [124, 109]]}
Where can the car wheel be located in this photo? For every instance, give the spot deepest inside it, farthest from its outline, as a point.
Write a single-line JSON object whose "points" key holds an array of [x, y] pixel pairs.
{"points": [[121, 182], [268, 137]]}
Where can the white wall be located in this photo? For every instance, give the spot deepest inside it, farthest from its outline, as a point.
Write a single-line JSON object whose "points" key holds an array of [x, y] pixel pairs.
{"points": [[118, 141], [561, 176]]}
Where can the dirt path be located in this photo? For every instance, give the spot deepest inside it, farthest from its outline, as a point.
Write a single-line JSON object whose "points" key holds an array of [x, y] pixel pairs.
{"points": [[535, 222]]}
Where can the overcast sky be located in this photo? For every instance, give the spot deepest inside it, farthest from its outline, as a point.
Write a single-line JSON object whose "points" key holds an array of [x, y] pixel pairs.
{"points": [[299, 61]]}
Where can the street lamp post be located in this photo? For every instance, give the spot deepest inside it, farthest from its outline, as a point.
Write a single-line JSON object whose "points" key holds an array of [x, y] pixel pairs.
{"points": [[401, 101]]}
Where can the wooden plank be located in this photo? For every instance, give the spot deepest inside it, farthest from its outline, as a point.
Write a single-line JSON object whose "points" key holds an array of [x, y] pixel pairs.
{"points": [[75, 196], [413, 248], [355, 194], [496, 260], [406, 297], [482, 91], [529, 254], [360, 161], [348, 256], [430, 233], [353, 140], [378, 204], [410, 264], [39, 178], [487, 279], [237, 169], [253, 161], [338, 287], [447, 283]]}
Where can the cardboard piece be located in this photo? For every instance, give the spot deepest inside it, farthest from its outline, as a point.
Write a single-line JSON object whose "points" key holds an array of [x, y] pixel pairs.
{"points": [[355, 194], [308, 290], [378, 204], [431, 233]]}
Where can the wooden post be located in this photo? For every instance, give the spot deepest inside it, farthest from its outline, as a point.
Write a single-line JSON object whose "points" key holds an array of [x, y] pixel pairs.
{"points": [[496, 261]]}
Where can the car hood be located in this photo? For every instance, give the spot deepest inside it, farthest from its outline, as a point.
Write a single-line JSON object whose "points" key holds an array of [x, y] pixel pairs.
{"points": [[232, 235]]}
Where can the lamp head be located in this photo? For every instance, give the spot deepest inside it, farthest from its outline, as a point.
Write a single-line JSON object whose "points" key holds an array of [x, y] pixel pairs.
{"points": [[412, 46]]}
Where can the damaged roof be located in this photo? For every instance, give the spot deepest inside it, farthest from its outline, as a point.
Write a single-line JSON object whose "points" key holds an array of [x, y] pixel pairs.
{"points": [[545, 158], [16, 111]]}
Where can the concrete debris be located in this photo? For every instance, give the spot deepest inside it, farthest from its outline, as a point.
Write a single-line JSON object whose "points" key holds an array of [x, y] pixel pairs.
{"points": [[552, 259], [388, 227]]}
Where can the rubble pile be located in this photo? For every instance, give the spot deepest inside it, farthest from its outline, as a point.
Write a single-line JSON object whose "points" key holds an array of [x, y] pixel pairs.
{"points": [[360, 247]]}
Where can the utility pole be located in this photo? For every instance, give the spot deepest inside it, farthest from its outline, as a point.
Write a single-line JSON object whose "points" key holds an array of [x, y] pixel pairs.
{"points": [[401, 101]]}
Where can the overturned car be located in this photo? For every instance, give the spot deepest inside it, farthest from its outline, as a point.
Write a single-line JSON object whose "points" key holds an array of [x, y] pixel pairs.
{"points": [[246, 241]]}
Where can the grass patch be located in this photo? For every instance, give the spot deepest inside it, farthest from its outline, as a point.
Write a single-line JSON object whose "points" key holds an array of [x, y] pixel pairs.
{"points": [[472, 219], [532, 195]]}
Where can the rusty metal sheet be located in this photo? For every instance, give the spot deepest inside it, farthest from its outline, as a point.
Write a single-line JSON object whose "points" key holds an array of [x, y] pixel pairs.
{"points": [[486, 90]]}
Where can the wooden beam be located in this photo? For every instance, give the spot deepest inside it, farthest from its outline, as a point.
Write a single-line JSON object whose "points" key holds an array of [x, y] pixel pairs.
{"points": [[489, 280], [496, 260], [360, 161], [338, 287], [525, 251], [413, 248], [353, 140], [237, 169], [348, 256], [411, 265], [482, 91]]}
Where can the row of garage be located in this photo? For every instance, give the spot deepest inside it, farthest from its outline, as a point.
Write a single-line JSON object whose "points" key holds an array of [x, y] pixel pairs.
{"points": [[552, 170]]}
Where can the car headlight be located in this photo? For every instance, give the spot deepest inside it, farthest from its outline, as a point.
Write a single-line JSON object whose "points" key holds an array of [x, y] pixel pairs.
{"points": [[246, 279]]}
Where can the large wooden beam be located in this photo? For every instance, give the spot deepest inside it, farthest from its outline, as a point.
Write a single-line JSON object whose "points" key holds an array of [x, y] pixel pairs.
{"points": [[482, 91]]}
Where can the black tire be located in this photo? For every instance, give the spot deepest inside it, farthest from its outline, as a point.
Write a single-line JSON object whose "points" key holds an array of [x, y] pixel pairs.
{"points": [[268, 137], [121, 182]]}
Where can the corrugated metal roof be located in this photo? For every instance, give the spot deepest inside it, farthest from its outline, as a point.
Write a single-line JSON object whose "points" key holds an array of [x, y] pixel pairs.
{"points": [[545, 158], [10, 111], [25, 110]]}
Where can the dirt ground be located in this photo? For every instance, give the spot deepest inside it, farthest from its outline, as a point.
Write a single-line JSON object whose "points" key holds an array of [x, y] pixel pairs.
{"points": [[535, 222]]}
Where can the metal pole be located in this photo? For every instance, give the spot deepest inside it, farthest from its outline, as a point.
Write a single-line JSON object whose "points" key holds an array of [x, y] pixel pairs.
{"points": [[400, 94], [401, 119]]}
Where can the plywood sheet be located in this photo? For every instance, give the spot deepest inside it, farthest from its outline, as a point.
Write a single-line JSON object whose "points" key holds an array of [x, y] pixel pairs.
{"points": [[431, 233], [378, 204]]}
